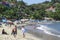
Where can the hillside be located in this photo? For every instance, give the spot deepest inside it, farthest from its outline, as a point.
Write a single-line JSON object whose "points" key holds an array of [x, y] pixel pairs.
{"points": [[20, 10]]}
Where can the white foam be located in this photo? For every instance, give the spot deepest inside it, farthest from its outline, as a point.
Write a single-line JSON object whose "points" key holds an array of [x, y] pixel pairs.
{"points": [[47, 30]]}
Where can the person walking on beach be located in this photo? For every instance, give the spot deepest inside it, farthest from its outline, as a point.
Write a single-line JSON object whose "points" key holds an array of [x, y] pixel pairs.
{"points": [[14, 31], [23, 31]]}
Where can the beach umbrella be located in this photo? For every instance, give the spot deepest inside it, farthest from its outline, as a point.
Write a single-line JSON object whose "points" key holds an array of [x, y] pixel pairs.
{"points": [[4, 20]]}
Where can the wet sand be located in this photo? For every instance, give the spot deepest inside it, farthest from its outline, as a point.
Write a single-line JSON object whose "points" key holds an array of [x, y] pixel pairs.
{"points": [[42, 35]]}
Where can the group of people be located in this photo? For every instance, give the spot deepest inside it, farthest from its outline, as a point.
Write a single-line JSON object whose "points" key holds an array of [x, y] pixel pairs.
{"points": [[14, 31]]}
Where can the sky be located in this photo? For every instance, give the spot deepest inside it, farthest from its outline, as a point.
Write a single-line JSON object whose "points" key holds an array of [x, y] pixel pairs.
{"points": [[29, 2]]}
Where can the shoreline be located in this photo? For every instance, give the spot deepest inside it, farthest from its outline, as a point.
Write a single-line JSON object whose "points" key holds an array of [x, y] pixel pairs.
{"points": [[42, 35], [19, 34]]}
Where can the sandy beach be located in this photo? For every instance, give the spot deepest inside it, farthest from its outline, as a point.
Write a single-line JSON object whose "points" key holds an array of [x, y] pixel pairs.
{"points": [[19, 34], [32, 34]]}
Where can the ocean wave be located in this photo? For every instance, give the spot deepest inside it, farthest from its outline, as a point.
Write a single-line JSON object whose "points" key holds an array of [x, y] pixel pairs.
{"points": [[49, 31]]}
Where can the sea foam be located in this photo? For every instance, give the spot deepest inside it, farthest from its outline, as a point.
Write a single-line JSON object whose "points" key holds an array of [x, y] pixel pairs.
{"points": [[47, 30]]}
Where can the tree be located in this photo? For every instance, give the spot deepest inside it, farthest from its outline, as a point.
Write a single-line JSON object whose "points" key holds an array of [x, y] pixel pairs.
{"points": [[54, 1], [46, 2], [0, 0]]}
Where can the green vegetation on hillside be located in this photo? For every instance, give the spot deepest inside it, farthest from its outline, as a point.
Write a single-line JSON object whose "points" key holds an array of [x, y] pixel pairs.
{"points": [[34, 11]]}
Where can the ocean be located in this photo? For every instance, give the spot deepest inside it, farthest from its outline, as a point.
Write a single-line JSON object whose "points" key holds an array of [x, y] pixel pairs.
{"points": [[50, 28]]}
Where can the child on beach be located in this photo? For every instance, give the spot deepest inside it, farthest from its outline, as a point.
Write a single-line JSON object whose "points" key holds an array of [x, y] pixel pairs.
{"points": [[14, 31], [23, 31]]}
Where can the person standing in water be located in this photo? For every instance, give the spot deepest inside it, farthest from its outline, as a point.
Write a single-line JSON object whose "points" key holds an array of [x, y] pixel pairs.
{"points": [[23, 31]]}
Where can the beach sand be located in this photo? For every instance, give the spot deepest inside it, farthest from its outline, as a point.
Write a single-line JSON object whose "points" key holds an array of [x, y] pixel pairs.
{"points": [[19, 34], [32, 34]]}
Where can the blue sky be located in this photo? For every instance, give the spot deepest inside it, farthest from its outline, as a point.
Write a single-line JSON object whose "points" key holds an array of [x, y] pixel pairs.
{"points": [[29, 2]]}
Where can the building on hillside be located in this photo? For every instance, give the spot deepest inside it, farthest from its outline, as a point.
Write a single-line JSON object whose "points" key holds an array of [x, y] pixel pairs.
{"points": [[9, 3], [51, 9], [10, 0]]}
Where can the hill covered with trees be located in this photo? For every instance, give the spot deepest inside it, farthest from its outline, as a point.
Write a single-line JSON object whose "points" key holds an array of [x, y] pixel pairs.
{"points": [[19, 9]]}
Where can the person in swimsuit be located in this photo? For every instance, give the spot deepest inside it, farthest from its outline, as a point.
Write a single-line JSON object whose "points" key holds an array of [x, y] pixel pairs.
{"points": [[14, 31]]}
